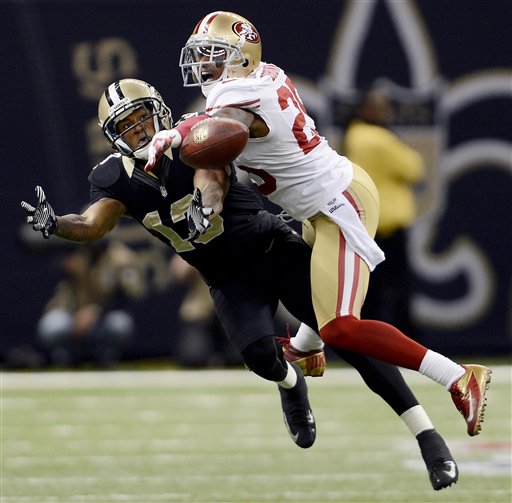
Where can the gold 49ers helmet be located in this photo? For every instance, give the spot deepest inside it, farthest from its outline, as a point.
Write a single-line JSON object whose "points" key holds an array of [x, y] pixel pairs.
{"points": [[120, 99], [225, 40]]}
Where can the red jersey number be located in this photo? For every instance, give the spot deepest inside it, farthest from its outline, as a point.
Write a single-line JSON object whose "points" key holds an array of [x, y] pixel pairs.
{"points": [[269, 182], [287, 93], [288, 96]]}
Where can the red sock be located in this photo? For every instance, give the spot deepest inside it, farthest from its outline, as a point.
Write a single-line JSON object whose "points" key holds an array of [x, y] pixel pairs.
{"points": [[373, 338]]}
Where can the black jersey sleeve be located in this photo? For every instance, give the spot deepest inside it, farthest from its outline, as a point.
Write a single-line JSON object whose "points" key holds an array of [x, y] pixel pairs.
{"points": [[107, 172], [105, 179]]}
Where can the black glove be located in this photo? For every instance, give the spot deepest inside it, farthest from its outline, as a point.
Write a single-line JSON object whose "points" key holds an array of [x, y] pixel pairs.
{"points": [[42, 217], [197, 216]]}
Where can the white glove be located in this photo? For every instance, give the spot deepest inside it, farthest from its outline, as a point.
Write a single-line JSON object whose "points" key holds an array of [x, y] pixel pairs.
{"points": [[162, 141]]}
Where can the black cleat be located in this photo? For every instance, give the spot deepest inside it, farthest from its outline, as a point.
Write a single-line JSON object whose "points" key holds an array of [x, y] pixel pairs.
{"points": [[442, 469], [443, 473], [298, 416]]}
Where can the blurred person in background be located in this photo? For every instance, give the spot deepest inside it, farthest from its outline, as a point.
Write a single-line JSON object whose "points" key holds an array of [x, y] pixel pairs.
{"points": [[395, 169], [88, 317]]}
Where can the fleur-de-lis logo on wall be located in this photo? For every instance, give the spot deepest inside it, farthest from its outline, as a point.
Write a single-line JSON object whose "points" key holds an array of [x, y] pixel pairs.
{"points": [[425, 106]]}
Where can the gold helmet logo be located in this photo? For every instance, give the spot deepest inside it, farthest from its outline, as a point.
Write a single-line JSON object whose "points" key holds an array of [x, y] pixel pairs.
{"points": [[247, 30]]}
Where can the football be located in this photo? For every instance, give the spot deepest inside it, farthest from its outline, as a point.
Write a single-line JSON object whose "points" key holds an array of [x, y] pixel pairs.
{"points": [[213, 143]]}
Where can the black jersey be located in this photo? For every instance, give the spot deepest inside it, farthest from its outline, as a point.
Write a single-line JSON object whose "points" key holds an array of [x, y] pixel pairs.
{"points": [[159, 203], [249, 257]]}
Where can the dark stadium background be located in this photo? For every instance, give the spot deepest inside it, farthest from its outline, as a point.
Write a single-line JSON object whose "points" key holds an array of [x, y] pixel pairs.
{"points": [[58, 56]]}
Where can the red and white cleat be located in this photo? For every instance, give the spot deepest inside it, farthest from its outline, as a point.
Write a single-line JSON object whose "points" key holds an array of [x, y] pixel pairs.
{"points": [[468, 395], [312, 363]]}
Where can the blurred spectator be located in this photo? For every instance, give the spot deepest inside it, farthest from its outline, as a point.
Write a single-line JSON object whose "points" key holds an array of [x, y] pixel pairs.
{"points": [[87, 319], [201, 340], [395, 168]]}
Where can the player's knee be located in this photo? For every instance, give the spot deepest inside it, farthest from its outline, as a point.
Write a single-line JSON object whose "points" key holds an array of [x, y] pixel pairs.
{"points": [[338, 332], [265, 358]]}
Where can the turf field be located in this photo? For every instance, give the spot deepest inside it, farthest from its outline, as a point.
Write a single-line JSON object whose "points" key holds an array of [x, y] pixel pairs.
{"points": [[218, 436]]}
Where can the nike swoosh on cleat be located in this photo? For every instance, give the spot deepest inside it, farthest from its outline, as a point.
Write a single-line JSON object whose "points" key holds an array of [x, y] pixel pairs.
{"points": [[294, 436], [452, 471]]}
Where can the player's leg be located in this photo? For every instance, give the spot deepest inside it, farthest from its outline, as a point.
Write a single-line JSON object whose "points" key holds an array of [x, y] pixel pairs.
{"points": [[246, 313], [339, 283], [289, 264], [389, 294], [290, 259], [387, 381], [247, 317]]}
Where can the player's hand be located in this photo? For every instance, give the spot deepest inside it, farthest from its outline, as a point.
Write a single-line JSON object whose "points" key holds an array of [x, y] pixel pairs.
{"points": [[162, 141], [197, 216], [42, 217]]}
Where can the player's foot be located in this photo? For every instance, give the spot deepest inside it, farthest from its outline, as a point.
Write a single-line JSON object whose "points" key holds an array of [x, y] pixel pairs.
{"points": [[468, 395], [442, 469], [298, 416], [312, 363]]}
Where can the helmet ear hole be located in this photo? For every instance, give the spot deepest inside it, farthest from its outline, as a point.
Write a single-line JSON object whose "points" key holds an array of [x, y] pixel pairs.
{"points": [[245, 63]]}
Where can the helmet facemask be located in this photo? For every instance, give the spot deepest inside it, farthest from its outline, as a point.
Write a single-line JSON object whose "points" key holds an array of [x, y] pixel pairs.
{"points": [[202, 59], [224, 39]]}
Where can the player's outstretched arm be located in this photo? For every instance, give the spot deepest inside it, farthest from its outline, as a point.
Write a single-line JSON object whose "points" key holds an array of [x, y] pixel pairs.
{"points": [[96, 221], [210, 188], [92, 224]]}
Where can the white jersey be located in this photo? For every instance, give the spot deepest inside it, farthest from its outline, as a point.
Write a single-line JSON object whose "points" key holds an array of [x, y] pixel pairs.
{"points": [[293, 165]]}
